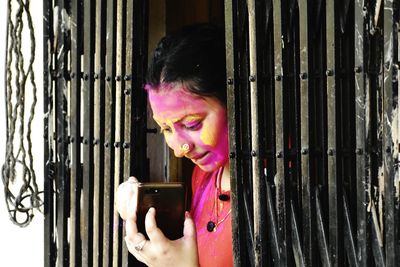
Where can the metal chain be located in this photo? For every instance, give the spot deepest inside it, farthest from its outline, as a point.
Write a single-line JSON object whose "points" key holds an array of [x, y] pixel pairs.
{"points": [[19, 178]]}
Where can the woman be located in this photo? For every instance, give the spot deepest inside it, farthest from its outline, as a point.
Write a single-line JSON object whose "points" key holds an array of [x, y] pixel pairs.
{"points": [[187, 94]]}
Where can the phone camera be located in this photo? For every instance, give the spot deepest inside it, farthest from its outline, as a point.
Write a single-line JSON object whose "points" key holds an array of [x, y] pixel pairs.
{"points": [[152, 191]]}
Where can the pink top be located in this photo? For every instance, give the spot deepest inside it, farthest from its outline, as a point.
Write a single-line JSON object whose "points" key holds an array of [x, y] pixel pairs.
{"points": [[215, 248]]}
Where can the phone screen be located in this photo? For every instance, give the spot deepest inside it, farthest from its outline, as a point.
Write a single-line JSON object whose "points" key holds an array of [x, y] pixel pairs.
{"points": [[169, 200]]}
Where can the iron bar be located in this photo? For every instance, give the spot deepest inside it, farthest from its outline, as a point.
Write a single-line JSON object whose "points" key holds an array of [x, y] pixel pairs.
{"points": [[75, 133], [119, 130], [283, 214], [88, 132], [109, 125], [307, 207], [49, 211], [99, 129], [239, 101], [255, 149], [361, 106], [389, 105], [333, 187], [236, 203], [61, 94], [317, 96], [126, 84], [109, 135]]}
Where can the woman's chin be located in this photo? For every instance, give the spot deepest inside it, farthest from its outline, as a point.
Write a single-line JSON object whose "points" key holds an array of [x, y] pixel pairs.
{"points": [[210, 167]]}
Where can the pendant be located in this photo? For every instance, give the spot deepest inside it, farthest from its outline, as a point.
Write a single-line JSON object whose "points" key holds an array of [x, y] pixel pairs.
{"points": [[210, 226], [223, 197]]}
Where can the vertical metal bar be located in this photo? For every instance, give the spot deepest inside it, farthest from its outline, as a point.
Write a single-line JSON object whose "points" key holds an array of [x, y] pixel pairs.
{"points": [[388, 131], [99, 133], [61, 94], [87, 155], [281, 193], [119, 131], [255, 149], [307, 207], [109, 125], [361, 133], [333, 188], [238, 240], [49, 245], [126, 86], [322, 242], [75, 133]]}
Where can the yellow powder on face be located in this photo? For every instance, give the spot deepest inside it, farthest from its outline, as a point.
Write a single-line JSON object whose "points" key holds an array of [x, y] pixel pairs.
{"points": [[192, 118], [208, 135]]}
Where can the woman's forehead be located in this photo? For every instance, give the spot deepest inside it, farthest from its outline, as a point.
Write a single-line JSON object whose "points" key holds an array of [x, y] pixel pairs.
{"points": [[175, 104]]}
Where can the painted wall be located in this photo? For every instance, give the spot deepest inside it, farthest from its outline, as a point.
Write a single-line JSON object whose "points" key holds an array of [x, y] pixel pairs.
{"points": [[22, 246]]}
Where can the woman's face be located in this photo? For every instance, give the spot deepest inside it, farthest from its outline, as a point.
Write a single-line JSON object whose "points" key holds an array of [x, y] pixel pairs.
{"points": [[186, 118]]}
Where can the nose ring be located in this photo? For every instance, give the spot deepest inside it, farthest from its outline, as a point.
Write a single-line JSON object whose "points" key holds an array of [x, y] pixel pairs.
{"points": [[185, 147]]}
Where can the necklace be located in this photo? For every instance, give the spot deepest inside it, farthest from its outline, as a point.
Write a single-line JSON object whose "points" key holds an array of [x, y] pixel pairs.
{"points": [[212, 225]]}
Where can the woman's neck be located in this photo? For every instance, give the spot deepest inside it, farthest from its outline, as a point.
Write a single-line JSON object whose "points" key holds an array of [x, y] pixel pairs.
{"points": [[226, 178]]}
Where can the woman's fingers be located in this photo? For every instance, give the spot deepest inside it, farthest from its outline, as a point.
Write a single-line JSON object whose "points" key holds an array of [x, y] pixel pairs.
{"points": [[189, 238], [189, 227], [127, 198], [133, 239], [131, 228], [155, 234]]}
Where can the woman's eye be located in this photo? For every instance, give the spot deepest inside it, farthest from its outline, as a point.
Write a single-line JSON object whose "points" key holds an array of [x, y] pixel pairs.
{"points": [[193, 125]]}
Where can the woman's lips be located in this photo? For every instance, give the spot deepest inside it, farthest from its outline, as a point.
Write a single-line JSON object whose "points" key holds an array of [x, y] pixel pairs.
{"points": [[199, 159]]}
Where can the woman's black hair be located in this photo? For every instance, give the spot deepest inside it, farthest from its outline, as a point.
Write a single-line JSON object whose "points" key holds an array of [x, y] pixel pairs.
{"points": [[194, 56]]}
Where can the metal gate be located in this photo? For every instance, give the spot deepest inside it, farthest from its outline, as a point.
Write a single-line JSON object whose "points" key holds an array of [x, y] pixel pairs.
{"points": [[312, 103], [313, 90], [95, 125]]}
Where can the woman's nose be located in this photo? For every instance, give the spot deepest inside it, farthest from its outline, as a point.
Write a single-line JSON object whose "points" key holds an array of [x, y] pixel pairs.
{"points": [[180, 145], [183, 149], [178, 151]]}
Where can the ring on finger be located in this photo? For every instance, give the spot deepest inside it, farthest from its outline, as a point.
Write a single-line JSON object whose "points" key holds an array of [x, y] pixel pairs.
{"points": [[139, 246]]}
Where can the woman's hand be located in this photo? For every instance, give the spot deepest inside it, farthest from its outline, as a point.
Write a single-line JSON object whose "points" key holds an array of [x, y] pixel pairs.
{"points": [[159, 250], [127, 198]]}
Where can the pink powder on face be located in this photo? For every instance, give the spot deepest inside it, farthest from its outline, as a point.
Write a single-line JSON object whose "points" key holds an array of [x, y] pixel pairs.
{"points": [[177, 110]]}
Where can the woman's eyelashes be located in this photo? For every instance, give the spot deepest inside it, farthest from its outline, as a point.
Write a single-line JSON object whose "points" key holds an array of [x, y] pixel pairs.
{"points": [[192, 126]]}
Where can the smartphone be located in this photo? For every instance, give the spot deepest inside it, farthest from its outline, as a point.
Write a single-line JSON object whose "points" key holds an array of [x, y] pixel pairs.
{"points": [[169, 200]]}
